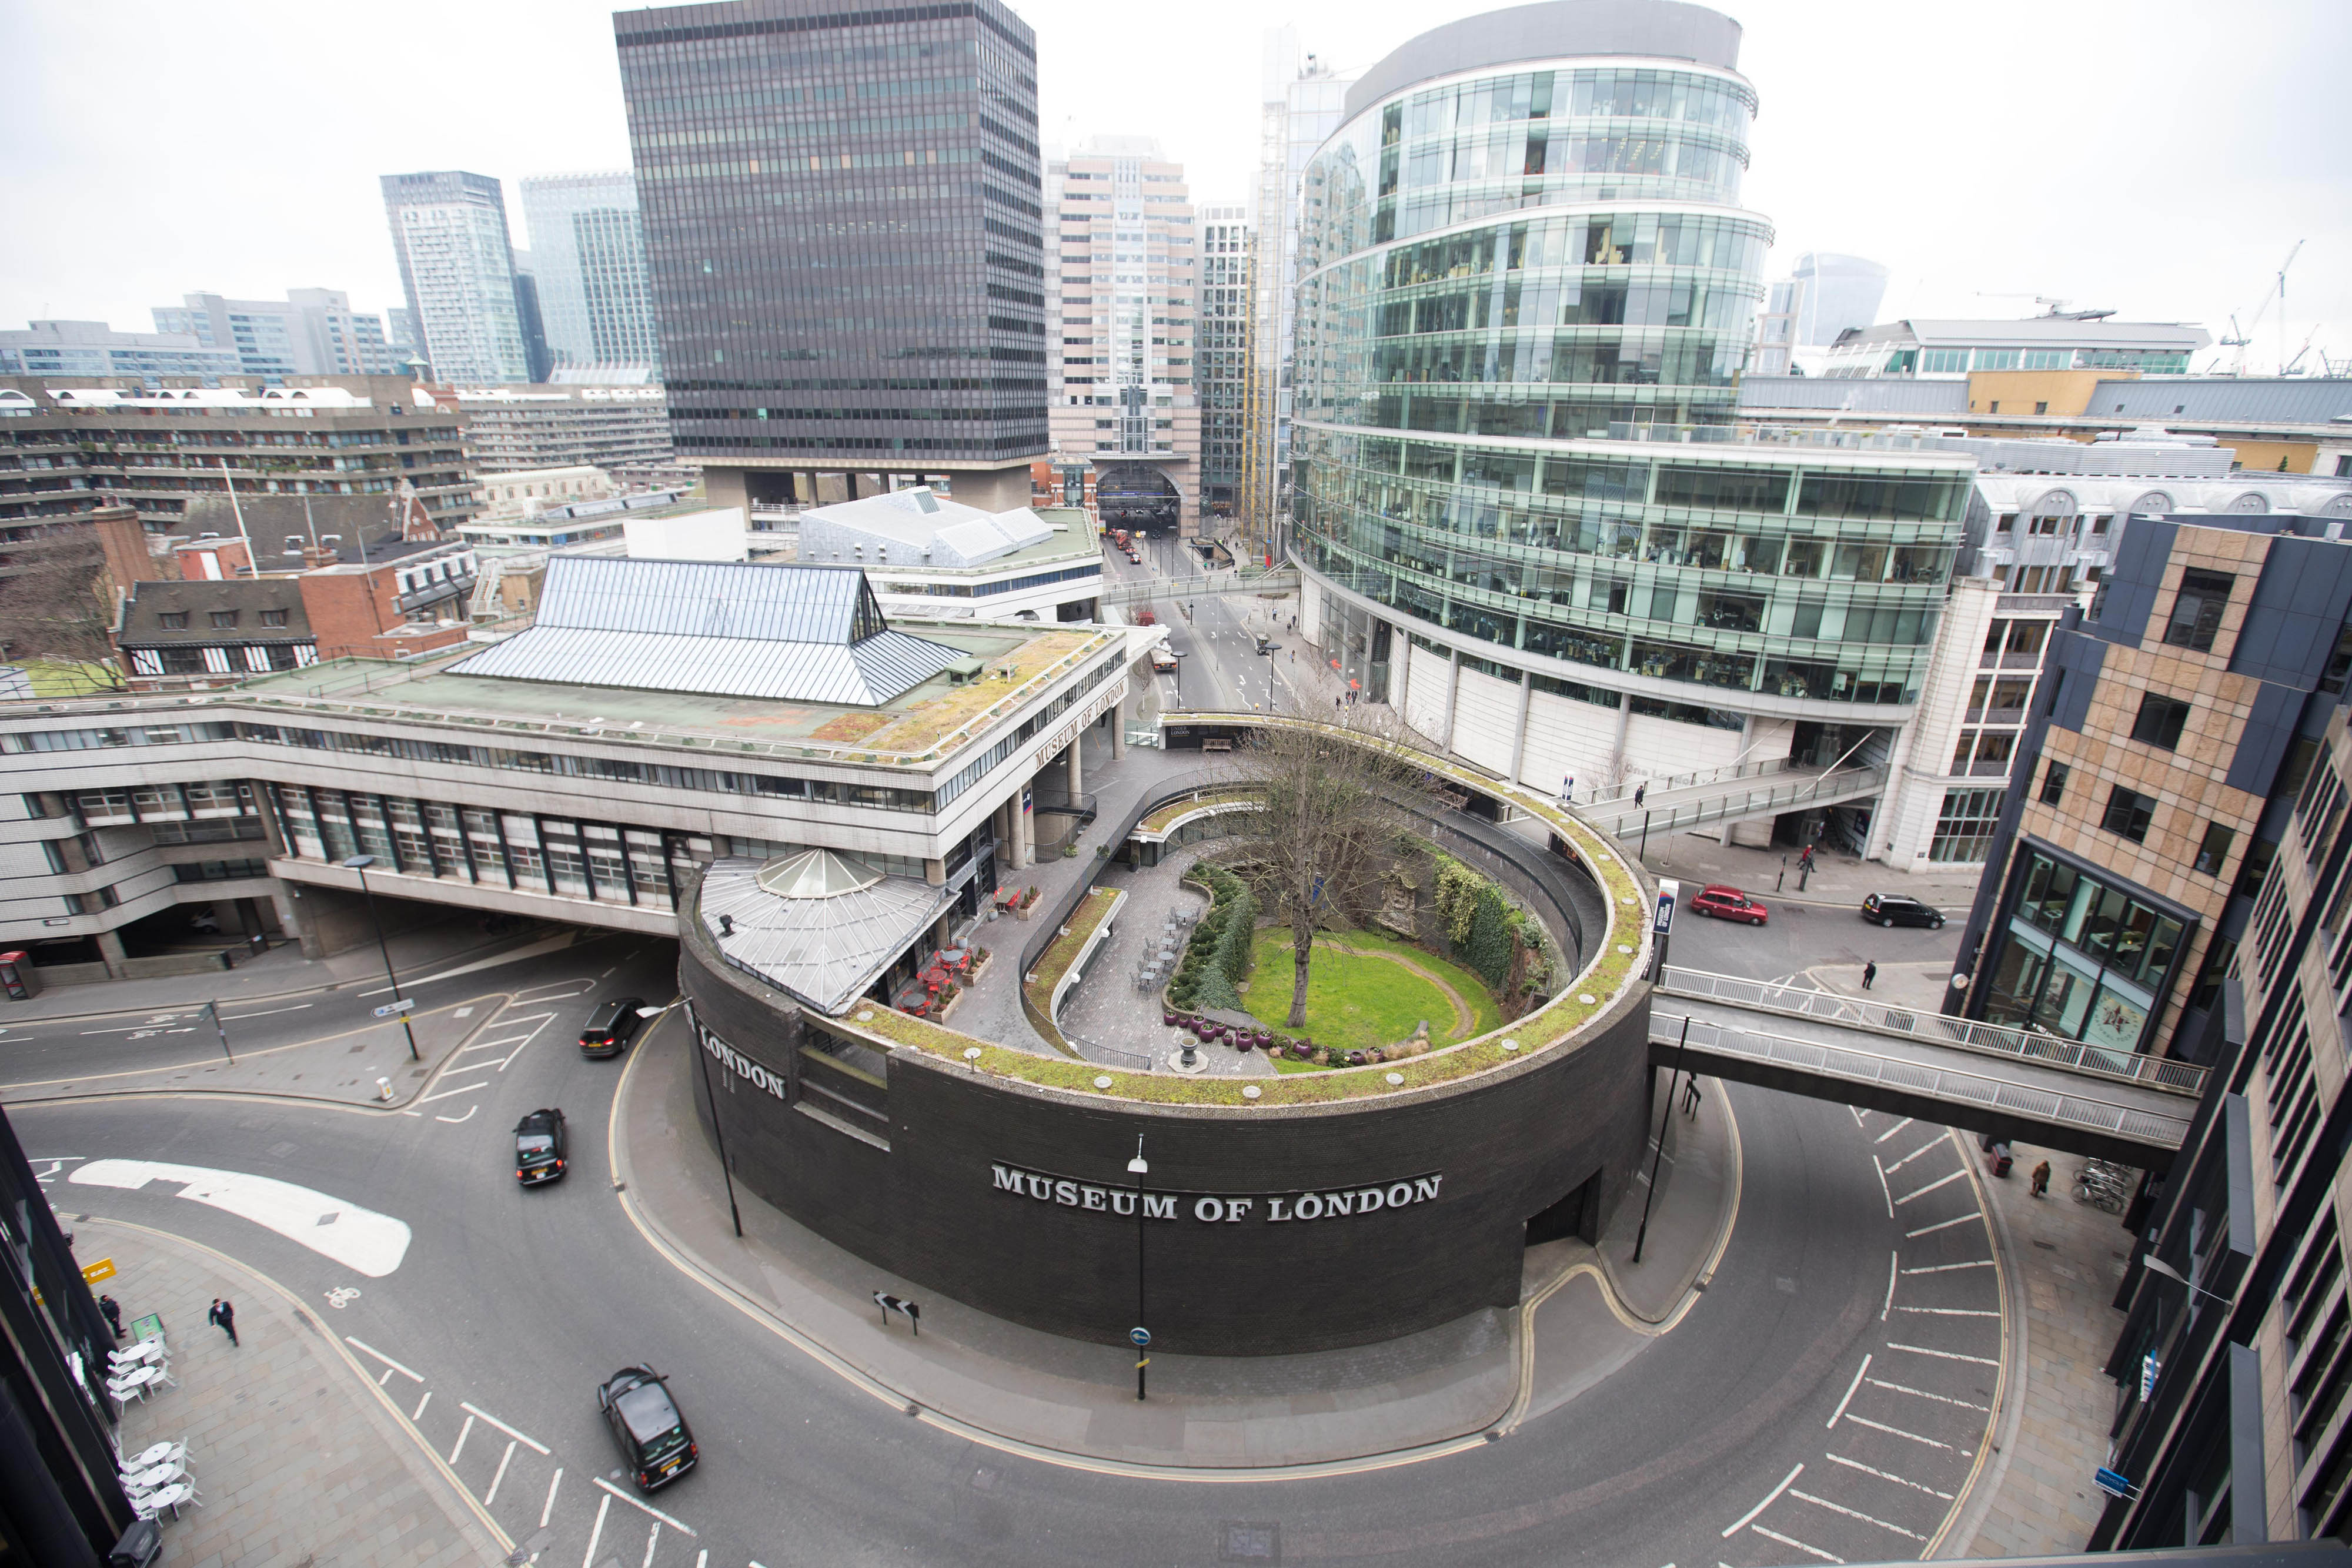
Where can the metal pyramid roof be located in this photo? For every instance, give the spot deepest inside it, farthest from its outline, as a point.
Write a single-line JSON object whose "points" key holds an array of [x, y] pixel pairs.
{"points": [[826, 950]]}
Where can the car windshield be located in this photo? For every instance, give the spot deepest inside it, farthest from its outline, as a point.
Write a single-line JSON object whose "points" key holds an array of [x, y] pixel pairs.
{"points": [[530, 1143], [650, 1417]]}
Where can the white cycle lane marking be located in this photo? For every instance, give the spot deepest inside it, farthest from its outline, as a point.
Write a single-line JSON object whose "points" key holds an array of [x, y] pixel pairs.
{"points": [[359, 1238]]}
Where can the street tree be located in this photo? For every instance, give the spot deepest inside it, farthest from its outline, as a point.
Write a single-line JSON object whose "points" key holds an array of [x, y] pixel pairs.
{"points": [[56, 605], [1338, 794]]}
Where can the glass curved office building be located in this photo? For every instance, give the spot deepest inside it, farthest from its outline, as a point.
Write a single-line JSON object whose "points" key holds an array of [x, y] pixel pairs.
{"points": [[1527, 513]]}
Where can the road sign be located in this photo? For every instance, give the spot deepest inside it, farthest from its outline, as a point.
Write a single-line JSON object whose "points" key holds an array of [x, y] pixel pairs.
{"points": [[1140, 1336], [101, 1270], [1669, 890], [393, 1010]]}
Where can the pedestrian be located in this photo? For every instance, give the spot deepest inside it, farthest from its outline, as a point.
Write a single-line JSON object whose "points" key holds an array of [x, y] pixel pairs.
{"points": [[1869, 973], [2042, 1180], [225, 1315], [1335, 702], [1639, 790], [111, 1310]]}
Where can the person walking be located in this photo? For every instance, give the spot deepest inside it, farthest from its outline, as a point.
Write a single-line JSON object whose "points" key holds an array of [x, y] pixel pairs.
{"points": [[2042, 1180], [1869, 973], [225, 1315], [111, 1310], [1639, 790]]}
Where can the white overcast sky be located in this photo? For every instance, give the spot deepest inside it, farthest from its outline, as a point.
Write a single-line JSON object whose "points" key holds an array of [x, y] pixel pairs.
{"points": [[2156, 157]]}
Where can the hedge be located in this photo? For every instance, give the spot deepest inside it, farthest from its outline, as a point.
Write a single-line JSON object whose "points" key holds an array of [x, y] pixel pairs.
{"points": [[1216, 960]]}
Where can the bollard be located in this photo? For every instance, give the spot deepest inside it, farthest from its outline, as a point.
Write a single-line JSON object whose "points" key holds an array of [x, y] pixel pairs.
{"points": [[384, 1090]]}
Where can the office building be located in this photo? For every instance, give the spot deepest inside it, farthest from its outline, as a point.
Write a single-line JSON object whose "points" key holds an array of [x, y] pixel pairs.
{"points": [[95, 348], [457, 269], [1121, 383], [311, 332], [588, 252], [1527, 519], [1221, 350], [844, 217], [1303, 101], [536, 358], [2083, 340], [1823, 297], [623, 430]]}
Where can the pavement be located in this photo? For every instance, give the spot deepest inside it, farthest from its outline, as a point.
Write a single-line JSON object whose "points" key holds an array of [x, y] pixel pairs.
{"points": [[1585, 1313], [297, 1457]]}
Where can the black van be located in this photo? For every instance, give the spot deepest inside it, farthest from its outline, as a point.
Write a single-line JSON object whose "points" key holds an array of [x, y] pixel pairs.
{"points": [[611, 1025]]}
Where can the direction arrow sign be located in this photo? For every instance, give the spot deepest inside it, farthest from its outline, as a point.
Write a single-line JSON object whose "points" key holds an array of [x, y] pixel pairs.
{"points": [[1140, 1336], [393, 1010]]}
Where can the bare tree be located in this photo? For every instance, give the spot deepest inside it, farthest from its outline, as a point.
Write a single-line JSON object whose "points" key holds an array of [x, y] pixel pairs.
{"points": [[54, 603], [1337, 796]]}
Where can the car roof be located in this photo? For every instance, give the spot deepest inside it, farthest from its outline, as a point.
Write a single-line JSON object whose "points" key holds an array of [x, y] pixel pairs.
{"points": [[538, 1121], [1897, 898], [1722, 887]]}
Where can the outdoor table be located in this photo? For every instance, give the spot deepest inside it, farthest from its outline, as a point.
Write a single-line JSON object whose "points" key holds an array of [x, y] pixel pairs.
{"points": [[149, 1459], [133, 1380], [154, 1478], [172, 1497], [146, 1350]]}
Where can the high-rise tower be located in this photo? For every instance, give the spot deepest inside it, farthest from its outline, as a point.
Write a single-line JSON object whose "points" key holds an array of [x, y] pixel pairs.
{"points": [[456, 264], [588, 249]]}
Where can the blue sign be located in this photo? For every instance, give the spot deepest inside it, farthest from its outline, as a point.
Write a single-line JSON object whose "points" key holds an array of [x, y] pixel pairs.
{"points": [[2146, 1375], [1663, 922], [2113, 1484], [1140, 1336]]}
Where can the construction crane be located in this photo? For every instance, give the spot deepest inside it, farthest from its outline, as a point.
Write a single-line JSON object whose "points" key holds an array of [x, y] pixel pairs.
{"points": [[2239, 337]]}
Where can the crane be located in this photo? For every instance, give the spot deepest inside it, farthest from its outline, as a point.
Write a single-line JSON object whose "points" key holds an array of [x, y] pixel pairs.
{"points": [[2240, 337]]}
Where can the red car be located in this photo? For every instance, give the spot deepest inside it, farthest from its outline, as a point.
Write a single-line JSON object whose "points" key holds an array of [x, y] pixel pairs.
{"points": [[1729, 903]]}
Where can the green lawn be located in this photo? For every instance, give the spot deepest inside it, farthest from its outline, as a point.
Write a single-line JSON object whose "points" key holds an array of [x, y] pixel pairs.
{"points": [[60, 678], [1356, 1000]]}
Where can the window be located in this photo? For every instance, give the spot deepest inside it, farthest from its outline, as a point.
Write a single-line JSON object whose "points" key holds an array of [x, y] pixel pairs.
{"points": [[2160, 721], [273, 618], [224, 619], [172, 620], [2197, 609], [2129, 814], [2053, 783], [1964, 827], [2214, 852]]}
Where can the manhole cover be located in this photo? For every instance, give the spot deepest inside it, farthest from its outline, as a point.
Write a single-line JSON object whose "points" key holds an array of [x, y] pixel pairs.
{"points": [[1249, 1540]]}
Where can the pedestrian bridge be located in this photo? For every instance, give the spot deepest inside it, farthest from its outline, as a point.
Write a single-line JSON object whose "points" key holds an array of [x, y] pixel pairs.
{"points": [[2011, 1083], [1208, 584], [1733, 794]]}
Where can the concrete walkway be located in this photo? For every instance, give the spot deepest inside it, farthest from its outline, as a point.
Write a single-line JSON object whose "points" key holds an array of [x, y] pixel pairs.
{"points": [[296, 1456], [972, 1373]]}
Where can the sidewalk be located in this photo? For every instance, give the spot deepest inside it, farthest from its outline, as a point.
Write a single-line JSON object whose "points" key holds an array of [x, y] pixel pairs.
{"points": [[974, 1373], [1838, 879], [2060, 1264], [295, 1454]]}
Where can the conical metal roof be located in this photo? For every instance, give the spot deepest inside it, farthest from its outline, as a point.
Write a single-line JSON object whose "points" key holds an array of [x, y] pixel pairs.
{"points": [[816, 873]]}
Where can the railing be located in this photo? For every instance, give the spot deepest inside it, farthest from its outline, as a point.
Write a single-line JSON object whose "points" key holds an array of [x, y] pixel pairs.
{"points": [[1844, 784], [1204, 585], [1692, 780], [1936, 1028], [1936, 1082]]}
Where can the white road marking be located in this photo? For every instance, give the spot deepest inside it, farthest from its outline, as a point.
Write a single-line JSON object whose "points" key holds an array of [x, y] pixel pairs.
{"points": [[1923, 1394], [464, 1432], [1950, 1313], [1947, 1267], [1892, 1131], [1897, 1432], [1930, 1144], [596, 1535], [580, 989], [648, 1508], [446, 1093], [547, 1508], [1922, 1192], [1857, 1117], [526, 1041], [463, 1013], [356, 1237], [1943, 1355], [1884, 1475], [385, 1378], [523, 1437], [532, 951], [140, 1029], [1748, 1518], [1792, 1540], [240, 1018], [418, 1413], [505, 1460], [412, 1112], [1941, 1225], [1850, 1387], [702, 1558], [653, 1535], [1883, 1187], [1893, 1260], [459, 1120], [1851, 1514]]}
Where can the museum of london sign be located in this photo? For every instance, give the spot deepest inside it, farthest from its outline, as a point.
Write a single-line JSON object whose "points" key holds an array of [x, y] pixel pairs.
{"points": [[1266, 1208]]}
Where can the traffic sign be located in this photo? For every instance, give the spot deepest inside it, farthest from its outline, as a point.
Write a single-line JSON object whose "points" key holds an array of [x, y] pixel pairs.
{"points": [[101, 1270], [1669, 891], [1140, 1336], [393, 1010]]}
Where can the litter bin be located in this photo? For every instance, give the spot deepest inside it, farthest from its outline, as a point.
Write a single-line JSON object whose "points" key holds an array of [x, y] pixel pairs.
{"points": [[139, 1546], [18, 978]]}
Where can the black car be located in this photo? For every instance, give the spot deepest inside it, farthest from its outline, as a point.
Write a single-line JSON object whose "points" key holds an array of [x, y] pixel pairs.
{"points": [[1894, 909], [654, 1437], [539, 1147], [611, 1025]]}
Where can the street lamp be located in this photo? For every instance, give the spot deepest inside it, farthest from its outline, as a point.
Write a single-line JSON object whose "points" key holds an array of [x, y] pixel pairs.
{"points": [[1142, 1338], [360, 864]]}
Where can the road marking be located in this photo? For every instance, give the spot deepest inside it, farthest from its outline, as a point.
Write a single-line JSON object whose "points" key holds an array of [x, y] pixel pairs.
{"points": [[459, 1120], [1943, 1355], [1749, 1517], [505, 1460], [1883, 1187], [596, 1535], [523, 1437], [356, 1237], [385, 1378], [652, 1536], [418, 1413], [446, 1093], [140, 1029], [463, 1013], [1923, 1394], [1850, 1387], [547, 1508], [271, 1012], [1792, 1540], [363, 1345], [1893, 1259], [533, 950], [1922, 1192], [412, 1112], [1884, 1475], [632, 1502], [1897, 1432], [1947, 1267], [464, 1432], [1857, 1117], [1851, 1514], [526, 1041], [1941, 1225], [1950, 1312], [1892, 1131], [1930, 1144]]}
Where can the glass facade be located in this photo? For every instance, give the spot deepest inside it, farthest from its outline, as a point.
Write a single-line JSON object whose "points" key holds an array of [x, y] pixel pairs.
{"points": [[1519, 286], [2081, 955], [843, 214]]}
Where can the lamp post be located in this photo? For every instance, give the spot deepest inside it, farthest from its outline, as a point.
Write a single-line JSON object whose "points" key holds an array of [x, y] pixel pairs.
{"points": [[1139, 1169], [360, 864]]}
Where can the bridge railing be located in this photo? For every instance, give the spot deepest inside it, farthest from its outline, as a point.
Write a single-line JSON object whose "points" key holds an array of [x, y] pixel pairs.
{"points": [[1945, 1083], [1937, 1029], [1706, 776], [1843, 784]]}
